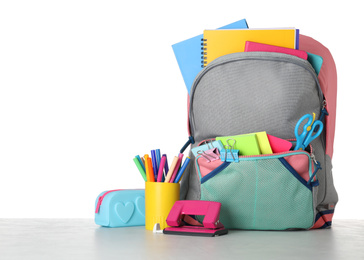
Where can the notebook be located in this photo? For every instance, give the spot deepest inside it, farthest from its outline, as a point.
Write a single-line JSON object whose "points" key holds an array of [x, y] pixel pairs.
{"points": [[279, 145], [188, 54], [316, 61], [263, 142], [226, 41], [255, 46]]}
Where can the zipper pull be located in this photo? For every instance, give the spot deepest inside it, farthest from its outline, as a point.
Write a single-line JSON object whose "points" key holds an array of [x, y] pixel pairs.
{"points": [[101, 198], [190, 141], [318, 167], [99, 204], [323, 111], [322, 114]]}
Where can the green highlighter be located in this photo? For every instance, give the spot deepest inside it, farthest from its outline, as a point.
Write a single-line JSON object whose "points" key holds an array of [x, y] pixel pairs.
{"points": [[247, 144]]}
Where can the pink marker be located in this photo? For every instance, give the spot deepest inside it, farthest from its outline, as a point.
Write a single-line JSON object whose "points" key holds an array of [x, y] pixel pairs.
{"points": [[180, 156], [161, 167]]}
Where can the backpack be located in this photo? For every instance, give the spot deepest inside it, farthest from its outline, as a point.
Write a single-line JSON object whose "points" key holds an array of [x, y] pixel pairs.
{"points": [[250, 92]]}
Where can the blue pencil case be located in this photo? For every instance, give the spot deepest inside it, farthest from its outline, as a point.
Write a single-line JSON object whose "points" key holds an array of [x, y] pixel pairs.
{"points": [[120, 208]]}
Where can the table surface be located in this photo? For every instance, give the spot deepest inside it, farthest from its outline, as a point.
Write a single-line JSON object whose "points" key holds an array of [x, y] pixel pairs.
{"points": [[83, 239]]}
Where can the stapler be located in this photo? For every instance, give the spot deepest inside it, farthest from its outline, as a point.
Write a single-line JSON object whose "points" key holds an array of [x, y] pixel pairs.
{"points": [[211, 225]]}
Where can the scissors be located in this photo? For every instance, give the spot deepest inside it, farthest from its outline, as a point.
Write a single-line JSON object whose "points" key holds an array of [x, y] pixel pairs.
{"points": [[306, 136]]}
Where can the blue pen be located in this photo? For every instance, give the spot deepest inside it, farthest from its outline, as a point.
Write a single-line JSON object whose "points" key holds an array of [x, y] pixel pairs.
{"points": [[158, 156], [181, 171], [154, 162], [141, 162]]}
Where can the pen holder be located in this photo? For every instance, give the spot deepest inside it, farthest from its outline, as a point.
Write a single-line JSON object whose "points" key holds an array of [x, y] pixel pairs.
{"points": [[159, 199]]}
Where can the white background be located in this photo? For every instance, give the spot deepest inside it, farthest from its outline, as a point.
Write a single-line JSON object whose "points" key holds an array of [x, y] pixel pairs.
{"points": [[87, 85]]}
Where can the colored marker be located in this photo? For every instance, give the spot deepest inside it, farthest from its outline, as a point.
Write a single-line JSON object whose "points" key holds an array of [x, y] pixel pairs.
{"points": [[154, 164], [140, 168], [170, 172], [150, 167], [145, 157], [182, 170], [158, 157], [147, 169], [161, 166], [180, 157], [141, 162], [165, 168]]}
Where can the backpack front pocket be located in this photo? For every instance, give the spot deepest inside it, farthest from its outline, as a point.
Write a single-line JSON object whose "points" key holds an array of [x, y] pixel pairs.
{"points": [[269, 192]]}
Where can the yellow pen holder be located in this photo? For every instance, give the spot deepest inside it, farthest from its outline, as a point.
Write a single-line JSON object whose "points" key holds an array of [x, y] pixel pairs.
{"points": [[159, 199]]}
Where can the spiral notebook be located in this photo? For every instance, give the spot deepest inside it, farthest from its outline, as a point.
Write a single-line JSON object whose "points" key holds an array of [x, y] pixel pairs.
{"points": [[188, 54], [221, 42]]}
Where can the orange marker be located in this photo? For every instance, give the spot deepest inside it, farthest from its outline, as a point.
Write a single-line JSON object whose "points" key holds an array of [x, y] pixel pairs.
{"points": [[151, 172], [150, 175]]}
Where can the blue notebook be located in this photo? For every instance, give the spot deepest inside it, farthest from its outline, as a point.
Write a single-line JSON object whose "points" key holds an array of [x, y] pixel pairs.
{"points": [[188, 54]]}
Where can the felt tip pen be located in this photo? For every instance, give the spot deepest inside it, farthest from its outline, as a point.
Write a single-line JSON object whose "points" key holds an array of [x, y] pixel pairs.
{"points": [[170, 172], [158, 157], [180, 157], [150, 166], [154, 163], [161, 167], [141, 162], [182, 170], [140, 168], [165, 168], [147, 169]]}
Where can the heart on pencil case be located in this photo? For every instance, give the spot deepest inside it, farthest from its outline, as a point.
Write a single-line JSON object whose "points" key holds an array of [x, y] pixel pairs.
{"points": [[140, 205], [124, 211]]}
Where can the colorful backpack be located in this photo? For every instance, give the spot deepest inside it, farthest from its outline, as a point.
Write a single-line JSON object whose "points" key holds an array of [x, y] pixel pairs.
{"points": [[250, 92]]}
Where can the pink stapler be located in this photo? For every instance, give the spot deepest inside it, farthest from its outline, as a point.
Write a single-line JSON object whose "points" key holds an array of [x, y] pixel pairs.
{"points": [[211, 224]]}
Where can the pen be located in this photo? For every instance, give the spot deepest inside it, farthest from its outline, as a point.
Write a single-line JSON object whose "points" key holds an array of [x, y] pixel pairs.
{"points": [[182, 170], [170, 172], [154, 163], [141, 162], [158, 157], [165, 168], [161, 166], [150, 166], [147, 173], [180, 156], [150, 175], [140, 168]]}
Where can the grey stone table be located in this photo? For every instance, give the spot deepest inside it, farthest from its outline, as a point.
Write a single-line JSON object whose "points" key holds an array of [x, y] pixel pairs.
{"points": [[82, 239]]}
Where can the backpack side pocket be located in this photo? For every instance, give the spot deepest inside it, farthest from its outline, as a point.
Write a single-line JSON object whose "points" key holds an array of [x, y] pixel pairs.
{"points": [[263, 192]]}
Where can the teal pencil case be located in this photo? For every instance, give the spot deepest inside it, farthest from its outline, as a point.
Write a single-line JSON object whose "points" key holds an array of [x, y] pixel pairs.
{"points": [[120, 208]]}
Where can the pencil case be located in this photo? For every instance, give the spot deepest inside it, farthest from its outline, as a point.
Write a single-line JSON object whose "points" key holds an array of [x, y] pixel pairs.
{"points": [[120, 208], [262, 192]]}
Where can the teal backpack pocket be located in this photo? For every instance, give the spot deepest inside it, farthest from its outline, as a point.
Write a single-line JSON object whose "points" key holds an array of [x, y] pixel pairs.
{"points": [[266, 192]]}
